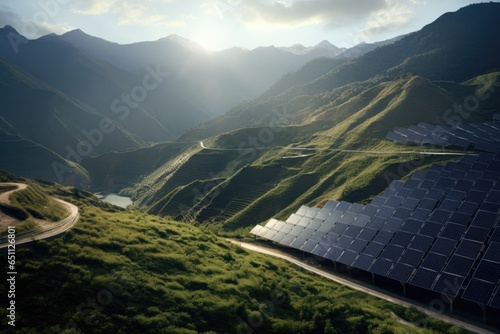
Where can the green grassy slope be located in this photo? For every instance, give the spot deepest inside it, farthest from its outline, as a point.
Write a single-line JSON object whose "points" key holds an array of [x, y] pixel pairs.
{"points": [[125, 271]]}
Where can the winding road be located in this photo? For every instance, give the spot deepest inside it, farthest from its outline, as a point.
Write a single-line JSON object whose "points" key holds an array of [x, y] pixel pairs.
{"points": [[361, 287], [49, 229]]}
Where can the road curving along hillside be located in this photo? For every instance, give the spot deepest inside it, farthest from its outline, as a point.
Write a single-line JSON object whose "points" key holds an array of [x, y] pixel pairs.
{"points": [[49, 229]]}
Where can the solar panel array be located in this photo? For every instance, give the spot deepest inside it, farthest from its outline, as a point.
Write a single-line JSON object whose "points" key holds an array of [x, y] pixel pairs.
{"points": [[438, 230], [481, 136]]}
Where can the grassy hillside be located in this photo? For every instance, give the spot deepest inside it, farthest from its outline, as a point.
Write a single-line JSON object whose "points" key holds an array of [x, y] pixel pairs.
{"points": [[125, 271]]}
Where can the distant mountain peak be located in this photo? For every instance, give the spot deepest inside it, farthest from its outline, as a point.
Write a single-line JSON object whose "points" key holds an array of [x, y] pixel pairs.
{"points": [[182, 41], [8, 29]]}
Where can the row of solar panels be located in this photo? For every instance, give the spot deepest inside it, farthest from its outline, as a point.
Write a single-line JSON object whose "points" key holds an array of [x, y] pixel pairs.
{"points": [[480, 136], [438, 230]]}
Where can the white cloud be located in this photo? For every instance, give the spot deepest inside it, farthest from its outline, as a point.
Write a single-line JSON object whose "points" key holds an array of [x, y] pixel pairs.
{"points": [[94, 7]]}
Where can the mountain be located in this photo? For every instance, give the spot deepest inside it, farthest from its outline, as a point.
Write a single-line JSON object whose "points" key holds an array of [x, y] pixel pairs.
{"points": [[323, 49], [296, 138]]}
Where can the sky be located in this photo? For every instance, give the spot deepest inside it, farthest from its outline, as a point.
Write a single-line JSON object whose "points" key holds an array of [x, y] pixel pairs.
{"points": [[221, 24]]}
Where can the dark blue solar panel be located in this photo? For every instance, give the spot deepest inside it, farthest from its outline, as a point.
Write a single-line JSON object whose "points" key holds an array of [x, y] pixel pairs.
{"points": [[411, 225], [321, 249], [376, 223], [468, 207], [459, 266], [460, 218], [383, 237], [393, 225], [495, 237], [363, 262], [323, 214], [374, 249], [411, 183], [463, 185], [434, 261], [491, 207], [410, 203], [493, 252], [318, 235], [477, 234], [421, 243], [421, 214], [296, 230], [449, 205], [482, 185], [488, 271], [473, 175], [403, 192], [309, 246], [469, 248], [325, 227], [348, 218], [453, 231], [356, 208], [475, 196], [367, 234], [331, 238], [334, 253], [358, 245], [385, 212], [378, 201], [412, 257], [431, 229], [381, 267], [479, 291], [394, 201], [402, 239], [307, 233], [315, 224], [330, 205], [344, 241], [440, 216], [490, 175], [361, 220], [418, 193], [339, 228], [370, 210], [427, 184], [493, 195], [485, 219], [348, 258], [424, 278], [401, 272], [287, 240], [396, 185], [444, 246], [352, 231], [445, 182], [484, 158], [343, 206], [298, 242], [428, 204], [448, 284], [392, 252], [402, 213]]}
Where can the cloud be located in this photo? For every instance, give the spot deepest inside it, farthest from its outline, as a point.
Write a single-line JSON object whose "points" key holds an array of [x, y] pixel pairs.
{"points": [[94, 7], [332, 13]]}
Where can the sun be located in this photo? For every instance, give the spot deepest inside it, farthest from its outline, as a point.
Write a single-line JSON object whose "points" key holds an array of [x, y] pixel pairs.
{"points": [[211, 38]]}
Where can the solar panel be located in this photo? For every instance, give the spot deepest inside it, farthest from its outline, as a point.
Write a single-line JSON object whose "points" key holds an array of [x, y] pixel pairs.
{"points": [[385, 212], [363, 262], [298, 242], [476, 196], [367, 234], [411, 226], [331, 238], [279, 236], [348, 258], [376, 223], [312, 212], [431, 229], [358, 245], [440, 216], [418, 193], [361, 220], [307, 233], [485, 219], [344, 241], [412, 257], [421, 214], [339, 228], [315, 224], [343, 206], [370, 210], [392, 252], [402, 239], [421, 243], [294, 219], [493, 252], [468, 207], [256, 230], [424, 278], [287, 240], [374, 249], [459, 266], [383, 237], [449, 204], [323, 214], [444, 246], [410, 203], [318, 236], [488, 271], [381, 266], [402, 213], [495, 237], [476, 234], [434, 261], [321, 249], [304, 221], [348, 218], [296, 230], [334, 253], [352, 231], [356, 208], [393, 225], [453, 231], [401, 272], [448, 284], [428, 204], [330, 205], [378, 201], [270, 234], [479, 291], [459, 218], [303, 210]]}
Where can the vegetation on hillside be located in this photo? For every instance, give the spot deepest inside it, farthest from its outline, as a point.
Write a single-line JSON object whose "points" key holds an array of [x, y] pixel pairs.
{"points": [[123, 271]]}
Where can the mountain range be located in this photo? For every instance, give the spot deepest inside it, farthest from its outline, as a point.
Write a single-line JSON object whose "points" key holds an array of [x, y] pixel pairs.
{"points": [[93, 122]]}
